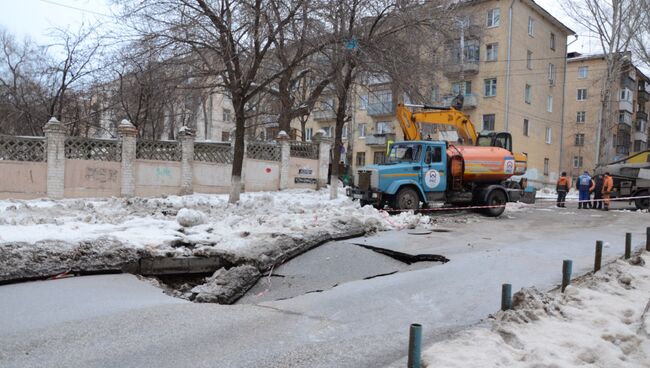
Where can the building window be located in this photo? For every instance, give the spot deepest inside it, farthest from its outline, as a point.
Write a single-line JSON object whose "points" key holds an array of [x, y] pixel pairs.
{"points": [[552, 41], [583, 72], [577, 162], [361, 159], [492, 51], [551, 74], [529, 59], [549, 103], [626, 95], [531, 26], [488, 121], [379, 157], [582, 94], [490, 89], [526, 128], [226, 115], [546, 165], [384, 127], [493, 17], [225, 136], [549, 135], [581, 116], [362, 130], [528, 93], [435, 92], [580, 140], [309, 132], [456, 88], [637, 146], [328, 131], [625, 117], [344, 131], [363, 102]]}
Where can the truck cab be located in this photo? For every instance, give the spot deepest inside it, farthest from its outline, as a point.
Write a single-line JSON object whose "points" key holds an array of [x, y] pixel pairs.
{"points": [[414, 172]]}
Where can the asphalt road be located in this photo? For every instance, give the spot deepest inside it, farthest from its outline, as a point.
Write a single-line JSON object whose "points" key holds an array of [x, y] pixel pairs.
{"points": [[119, 321]]}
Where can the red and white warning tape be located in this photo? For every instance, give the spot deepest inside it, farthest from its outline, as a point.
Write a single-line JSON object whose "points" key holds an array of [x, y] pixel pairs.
{"points": [[438, 209]]}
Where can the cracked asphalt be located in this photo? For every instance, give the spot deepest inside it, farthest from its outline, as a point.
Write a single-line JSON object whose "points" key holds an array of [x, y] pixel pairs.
{"points": [[120, 321]]}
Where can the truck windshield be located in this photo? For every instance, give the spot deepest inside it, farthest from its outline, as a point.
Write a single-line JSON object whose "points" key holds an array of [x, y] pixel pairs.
{"points": [[404, 152]]}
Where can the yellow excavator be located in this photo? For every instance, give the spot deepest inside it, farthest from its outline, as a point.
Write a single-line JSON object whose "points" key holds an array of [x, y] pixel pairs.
{"points": [[410, 121]]}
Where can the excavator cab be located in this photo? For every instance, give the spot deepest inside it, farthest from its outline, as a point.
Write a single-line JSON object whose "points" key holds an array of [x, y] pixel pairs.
{"points": [[495, 139]]}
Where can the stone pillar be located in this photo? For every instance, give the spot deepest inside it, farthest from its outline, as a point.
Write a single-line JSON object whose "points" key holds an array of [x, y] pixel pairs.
{"points": [[128, 133], [186, 137], [285, 156], [55, 136], [324, 147]]}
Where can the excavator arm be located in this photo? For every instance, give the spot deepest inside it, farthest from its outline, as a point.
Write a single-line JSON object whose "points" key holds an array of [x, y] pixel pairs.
{"points": [[409, 121]]}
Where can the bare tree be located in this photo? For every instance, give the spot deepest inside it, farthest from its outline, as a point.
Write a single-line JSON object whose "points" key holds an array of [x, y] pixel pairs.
{"points": [[641, 42], [233, 40], [615, 22]]}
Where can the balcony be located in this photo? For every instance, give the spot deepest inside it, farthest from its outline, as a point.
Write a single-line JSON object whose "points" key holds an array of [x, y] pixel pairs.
{"points": [[379, 139], [381, 109], [323, 115], [642, 115], [471, 67], [626, 106], [640, 136], [470, 102], [643, 96]]}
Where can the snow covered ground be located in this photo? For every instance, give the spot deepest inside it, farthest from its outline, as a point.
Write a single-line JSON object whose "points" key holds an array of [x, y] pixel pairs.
{"points": [[546, 193], [600, 321]]}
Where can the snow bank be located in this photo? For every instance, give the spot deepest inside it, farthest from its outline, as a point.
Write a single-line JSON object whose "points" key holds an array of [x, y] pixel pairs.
{"points": [[547, 193], [603, 321]]}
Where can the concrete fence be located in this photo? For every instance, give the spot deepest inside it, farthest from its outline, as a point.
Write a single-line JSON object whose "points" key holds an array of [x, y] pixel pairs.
{"points": [[58, 166]]}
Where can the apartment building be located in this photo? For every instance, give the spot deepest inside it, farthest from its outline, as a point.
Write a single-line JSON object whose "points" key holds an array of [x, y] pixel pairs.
{"points": [[628, 122], [511, 72]]}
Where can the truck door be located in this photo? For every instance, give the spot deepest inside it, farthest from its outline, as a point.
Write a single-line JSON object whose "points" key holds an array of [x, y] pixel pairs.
{"points": [[434, 165]]}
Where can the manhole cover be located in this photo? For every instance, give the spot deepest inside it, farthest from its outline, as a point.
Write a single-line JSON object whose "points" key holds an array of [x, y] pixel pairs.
{"points": [[420, 232]]}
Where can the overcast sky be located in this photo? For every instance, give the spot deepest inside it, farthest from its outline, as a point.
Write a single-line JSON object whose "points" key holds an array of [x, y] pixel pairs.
{"points": [[33, 18]]}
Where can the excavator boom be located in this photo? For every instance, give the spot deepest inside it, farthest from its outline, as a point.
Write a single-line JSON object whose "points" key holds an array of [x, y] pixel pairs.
{"points": [[409, 121]]}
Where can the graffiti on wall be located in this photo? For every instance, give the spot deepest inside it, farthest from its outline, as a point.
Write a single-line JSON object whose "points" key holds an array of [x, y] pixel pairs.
{"points": [[101, 175]]}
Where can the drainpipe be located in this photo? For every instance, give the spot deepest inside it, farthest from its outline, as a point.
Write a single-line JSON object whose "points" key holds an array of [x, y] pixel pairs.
{"points": [[507, 110], [566, 50]]}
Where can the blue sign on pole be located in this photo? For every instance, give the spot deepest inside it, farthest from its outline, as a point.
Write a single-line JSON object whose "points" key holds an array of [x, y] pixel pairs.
{"points": [[352, 44]]}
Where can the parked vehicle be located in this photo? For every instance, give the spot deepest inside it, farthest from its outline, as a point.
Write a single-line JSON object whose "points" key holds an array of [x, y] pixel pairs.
{"points": [[631, 178]]}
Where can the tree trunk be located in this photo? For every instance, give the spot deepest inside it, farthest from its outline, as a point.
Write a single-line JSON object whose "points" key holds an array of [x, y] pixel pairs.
{"points": [[238, 157]]}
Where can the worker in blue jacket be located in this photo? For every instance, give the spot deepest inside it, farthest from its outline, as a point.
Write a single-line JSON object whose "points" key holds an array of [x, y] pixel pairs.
{"points": [[583, 184]]}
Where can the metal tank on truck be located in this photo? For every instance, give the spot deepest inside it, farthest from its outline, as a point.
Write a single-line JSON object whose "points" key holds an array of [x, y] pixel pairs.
{"points": [[631, 177], [422, 171]]}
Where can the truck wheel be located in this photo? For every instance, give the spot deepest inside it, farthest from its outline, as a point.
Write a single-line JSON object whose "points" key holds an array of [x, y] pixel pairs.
{"points": [[642, 203], [496, 198], [406, 199]]}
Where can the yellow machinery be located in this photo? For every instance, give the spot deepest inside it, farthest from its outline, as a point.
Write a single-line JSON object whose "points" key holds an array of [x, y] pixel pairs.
{"points": [[410, 122]]}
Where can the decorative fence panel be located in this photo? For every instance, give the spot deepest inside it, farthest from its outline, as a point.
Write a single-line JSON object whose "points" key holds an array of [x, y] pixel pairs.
{"points": [[32, 149], [158, 150], [304, 150], [213, 152], [264, 151], [93, 149]]}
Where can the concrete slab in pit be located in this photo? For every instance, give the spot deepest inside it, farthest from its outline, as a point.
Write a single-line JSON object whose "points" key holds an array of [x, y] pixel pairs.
{"points": [[321, 269]]}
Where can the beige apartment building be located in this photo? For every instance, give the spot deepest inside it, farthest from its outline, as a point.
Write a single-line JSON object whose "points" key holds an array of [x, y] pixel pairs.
{"points": [[629, 128], [511, 74]]}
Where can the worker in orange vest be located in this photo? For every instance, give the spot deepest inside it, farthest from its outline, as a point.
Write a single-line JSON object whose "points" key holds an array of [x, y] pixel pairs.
{"points": [[608, 186], [562, 187]]}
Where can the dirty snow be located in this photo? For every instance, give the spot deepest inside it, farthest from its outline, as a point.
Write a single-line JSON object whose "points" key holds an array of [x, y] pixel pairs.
{"points": [[601, 321], [157, 223], [547, 193]]}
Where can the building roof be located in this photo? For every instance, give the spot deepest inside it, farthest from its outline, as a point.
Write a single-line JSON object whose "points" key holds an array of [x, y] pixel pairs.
{"points": [[537, 8]]}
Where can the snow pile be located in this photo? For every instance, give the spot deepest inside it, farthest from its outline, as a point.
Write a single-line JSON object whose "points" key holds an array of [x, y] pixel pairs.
{"points": [[161, 224], [603, 321], [188, 218]]}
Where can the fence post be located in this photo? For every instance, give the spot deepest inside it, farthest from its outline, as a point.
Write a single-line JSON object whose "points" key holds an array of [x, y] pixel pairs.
{"points": [[128, 134], [324, 147], [628, 245], [506, 297], [415, 346], [599, 255], [55, 137], [567, 268], [285, 156], [647, 239], [186, 137]]}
